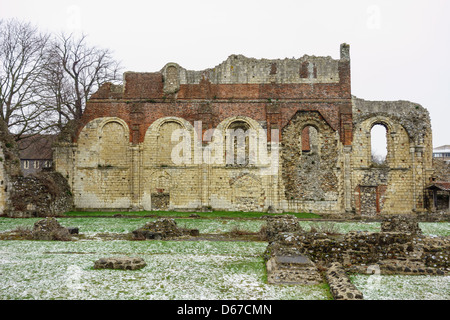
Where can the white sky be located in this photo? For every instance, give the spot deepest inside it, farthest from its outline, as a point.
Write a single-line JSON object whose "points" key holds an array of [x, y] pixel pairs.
{"points": [[399, 49]]}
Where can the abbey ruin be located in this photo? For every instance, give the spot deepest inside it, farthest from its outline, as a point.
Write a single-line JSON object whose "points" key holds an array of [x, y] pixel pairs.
{"points": [[161, 141]]}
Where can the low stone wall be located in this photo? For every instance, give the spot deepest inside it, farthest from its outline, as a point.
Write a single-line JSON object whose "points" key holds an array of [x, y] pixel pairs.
{"points": [[365, 248], [359, 252], [340, 285], [400, 223]]}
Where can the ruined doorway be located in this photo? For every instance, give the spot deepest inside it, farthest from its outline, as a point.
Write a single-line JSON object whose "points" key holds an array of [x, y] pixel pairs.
{"points": [[160, 201], [369, 202]]}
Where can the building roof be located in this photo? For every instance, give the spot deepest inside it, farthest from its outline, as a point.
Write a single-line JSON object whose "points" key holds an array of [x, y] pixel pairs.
{"points": [[36, 147], [441, 185], [444, 148]]}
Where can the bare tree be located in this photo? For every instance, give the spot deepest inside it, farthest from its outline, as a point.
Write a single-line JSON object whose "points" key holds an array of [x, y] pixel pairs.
{"points": [[45, 81], [77, 70], [378, 158], [22, 58]]}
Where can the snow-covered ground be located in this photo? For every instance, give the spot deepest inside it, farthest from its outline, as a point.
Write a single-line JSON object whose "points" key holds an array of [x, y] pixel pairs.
{"points": [[219, 270], [175, 270]]}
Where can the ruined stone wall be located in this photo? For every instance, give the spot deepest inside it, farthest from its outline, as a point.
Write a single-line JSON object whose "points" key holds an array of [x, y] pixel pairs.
{"points": [[121, 155], [397, 185], [9, 166]]}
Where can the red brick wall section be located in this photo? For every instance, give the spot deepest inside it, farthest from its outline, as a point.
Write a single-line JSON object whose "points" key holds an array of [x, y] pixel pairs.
{"points": [[143, 101]]}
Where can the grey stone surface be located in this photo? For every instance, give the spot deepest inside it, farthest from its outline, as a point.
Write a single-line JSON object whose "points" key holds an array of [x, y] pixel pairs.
{"points": [[122, 263]]}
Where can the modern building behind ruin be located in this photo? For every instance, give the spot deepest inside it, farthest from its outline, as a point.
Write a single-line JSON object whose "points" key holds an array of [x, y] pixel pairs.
{"points": [[121, 157]]}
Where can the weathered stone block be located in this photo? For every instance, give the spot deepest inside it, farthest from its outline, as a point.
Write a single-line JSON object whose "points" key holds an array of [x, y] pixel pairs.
{"points": [[294, 269], [122, 263]]}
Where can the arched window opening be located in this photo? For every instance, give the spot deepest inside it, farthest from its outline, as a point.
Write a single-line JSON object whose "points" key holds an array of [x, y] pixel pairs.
{"points": [[238, 144], [378, 143], [310, 140]]}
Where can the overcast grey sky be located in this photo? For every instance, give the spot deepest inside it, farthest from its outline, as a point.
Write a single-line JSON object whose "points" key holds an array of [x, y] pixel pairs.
{"points": [[400, 49]]}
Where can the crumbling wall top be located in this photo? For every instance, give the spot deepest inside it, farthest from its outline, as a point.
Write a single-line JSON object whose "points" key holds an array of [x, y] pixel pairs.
{"points": [[412, 116]]}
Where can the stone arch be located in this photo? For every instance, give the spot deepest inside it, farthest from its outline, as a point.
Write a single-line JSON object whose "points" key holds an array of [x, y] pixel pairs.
{"points": [[162, 182], [157, 144], [309, 175], [171, 78], [242, 137], [114, 143], [102, 165], [397, 140], [252, 124], [90, 140], [388, 125]]}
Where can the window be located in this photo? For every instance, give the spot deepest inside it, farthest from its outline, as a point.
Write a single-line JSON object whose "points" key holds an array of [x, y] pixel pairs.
{"points": [[310, 140], [26, 164], [238, 144], [378, 143], [36, 164]]}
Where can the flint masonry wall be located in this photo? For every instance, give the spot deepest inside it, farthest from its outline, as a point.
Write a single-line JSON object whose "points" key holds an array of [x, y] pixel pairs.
{"points": [[120, 157]]}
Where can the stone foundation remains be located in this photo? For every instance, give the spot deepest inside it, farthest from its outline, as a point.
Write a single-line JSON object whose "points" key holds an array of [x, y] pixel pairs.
{"points": [[296, 257], [340, 285]]}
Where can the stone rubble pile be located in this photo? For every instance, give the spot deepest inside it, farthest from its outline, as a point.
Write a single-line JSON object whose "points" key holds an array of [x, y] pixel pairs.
{"points": [[51, 229], [162, 229], [279, 224]]}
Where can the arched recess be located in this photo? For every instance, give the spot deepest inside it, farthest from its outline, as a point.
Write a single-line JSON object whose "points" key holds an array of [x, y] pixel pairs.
{"points": [[309, 160], [310, 139], [114, 144], [160, 190], [93, 142], [103, 165], [158, 144], [244, 141], [171, 78]]}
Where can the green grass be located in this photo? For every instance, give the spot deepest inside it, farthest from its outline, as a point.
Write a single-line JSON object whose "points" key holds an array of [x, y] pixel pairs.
{"points": [[173, 214]]}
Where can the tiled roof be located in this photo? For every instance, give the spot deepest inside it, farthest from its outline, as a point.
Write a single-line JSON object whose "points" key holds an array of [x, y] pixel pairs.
{"points": [[441, 185], [36, 147]]}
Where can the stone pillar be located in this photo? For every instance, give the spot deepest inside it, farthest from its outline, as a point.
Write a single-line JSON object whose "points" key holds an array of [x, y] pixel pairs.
{"points": [[136, 165], [347, 179], [63, 161]]}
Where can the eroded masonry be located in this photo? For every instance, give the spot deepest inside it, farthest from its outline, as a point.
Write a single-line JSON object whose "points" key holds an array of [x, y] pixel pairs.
{"points": [[121, 156]]}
